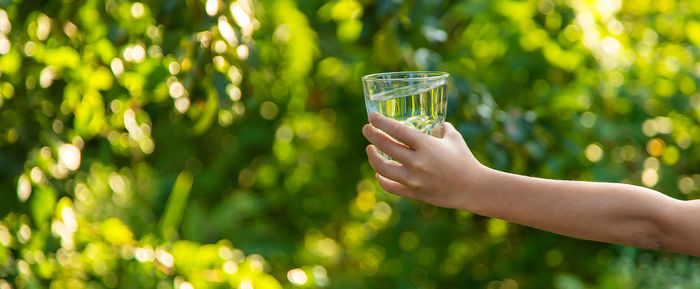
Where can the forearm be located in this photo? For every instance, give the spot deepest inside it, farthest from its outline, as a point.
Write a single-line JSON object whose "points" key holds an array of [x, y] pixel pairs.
{"points": [[616, 213], [443, 172]]}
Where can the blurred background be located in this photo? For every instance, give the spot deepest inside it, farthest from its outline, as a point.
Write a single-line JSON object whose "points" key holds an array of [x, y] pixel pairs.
{"points": [[217, 144]]}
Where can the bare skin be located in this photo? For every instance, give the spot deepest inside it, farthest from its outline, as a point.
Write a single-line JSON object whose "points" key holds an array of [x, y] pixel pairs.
{"points": [[443, 172]]}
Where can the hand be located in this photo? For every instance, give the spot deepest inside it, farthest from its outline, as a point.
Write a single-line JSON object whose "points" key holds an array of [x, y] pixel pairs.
{"points": [[439, 171]]}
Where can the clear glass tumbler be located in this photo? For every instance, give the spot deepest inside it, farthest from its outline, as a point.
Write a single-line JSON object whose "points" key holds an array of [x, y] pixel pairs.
{"points": [[417, 99]]}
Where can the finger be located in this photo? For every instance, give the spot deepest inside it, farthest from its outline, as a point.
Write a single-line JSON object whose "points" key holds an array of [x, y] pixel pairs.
{"points": [[394, 187], [451, 133], [385, 167], [387, 145], [411, 137]]}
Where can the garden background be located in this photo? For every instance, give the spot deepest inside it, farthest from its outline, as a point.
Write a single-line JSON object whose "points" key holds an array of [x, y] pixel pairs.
{"points": [[217, 144]]}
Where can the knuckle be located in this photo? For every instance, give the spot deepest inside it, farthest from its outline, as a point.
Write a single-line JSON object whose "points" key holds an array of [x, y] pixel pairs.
{"points": [[418, 164], [383, 144], [381, 166], [395, 127], [376, 164], [413, 183], [373, 136]]}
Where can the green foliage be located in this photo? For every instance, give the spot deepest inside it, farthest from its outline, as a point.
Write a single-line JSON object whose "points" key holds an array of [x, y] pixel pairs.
{"points": [[217, 144]]}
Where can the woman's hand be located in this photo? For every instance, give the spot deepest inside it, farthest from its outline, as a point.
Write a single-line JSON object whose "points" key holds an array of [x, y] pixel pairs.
{"points": [[439, 171], [443, 172]]}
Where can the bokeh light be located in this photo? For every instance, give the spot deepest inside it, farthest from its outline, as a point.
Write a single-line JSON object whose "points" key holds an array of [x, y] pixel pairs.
{"points": [[297, 276]]}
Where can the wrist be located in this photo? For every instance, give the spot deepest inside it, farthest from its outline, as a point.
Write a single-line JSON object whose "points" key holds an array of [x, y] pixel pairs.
{"points": [[477, 191]]}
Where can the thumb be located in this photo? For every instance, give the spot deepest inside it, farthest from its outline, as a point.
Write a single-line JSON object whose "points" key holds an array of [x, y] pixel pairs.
{"points": [[451, 133]]}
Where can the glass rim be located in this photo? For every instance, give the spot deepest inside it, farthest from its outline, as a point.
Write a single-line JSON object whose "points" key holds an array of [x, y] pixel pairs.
{"points": [[430, 75]]}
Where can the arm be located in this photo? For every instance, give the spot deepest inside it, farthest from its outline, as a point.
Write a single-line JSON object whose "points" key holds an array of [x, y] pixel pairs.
{"points": [[443, 172], [616, 213]]}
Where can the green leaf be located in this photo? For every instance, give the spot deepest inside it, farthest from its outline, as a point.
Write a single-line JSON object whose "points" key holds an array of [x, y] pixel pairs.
{"points": [[177, 202], [42, 203], [115, 232], [208, 116], [10, 62]]}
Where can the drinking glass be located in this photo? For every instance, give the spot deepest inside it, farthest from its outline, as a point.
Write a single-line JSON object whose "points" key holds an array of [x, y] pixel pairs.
{"points": [[417, 99]]}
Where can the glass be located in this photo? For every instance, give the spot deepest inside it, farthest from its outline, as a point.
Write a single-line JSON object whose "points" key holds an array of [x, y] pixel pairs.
{"points": [[417, 99]]}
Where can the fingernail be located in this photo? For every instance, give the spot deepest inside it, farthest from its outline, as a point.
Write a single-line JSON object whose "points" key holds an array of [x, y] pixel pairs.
{"points": [[372, 117], [369, 149]]}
